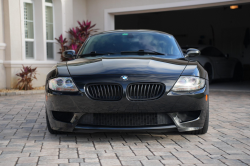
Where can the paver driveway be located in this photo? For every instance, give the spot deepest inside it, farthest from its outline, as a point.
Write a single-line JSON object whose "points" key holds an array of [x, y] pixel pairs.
{"points": [[24, 139]]}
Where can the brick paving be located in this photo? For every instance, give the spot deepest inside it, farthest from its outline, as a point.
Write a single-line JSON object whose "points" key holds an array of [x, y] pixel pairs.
{"points": [[25, 141]]}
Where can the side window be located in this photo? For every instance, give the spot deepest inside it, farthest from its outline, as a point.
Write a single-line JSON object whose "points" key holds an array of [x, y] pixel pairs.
{"points": [[206, 51], [216, 53]]}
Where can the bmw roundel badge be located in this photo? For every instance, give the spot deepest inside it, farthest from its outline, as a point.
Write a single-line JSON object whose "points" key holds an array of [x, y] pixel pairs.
{"points": [[124, 78]]}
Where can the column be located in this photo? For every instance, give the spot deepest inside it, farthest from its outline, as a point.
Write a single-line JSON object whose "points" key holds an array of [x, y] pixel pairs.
{"points": [[2, 48], [40, 30]]}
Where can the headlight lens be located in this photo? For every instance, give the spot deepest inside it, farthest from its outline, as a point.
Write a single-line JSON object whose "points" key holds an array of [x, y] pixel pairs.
{"points": [[62, 84], [189, 83]]}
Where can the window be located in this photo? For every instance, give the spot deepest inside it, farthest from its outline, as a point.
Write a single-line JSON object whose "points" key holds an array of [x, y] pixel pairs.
{"points": [[29, 30], [49, 29]]}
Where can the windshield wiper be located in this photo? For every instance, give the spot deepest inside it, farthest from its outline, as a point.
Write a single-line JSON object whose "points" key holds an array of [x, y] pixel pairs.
{"points": [[94, 53], [143, 52]]}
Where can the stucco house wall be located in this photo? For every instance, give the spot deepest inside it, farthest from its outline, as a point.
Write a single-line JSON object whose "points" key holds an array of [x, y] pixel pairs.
{"points": [[2, 49], [66, 13]]}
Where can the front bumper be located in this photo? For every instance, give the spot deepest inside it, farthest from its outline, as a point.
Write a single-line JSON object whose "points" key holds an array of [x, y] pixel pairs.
{"points": [[170, 103]]}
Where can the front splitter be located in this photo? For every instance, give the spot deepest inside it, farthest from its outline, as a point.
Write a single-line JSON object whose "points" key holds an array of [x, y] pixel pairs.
{"points": [[122, 129]]}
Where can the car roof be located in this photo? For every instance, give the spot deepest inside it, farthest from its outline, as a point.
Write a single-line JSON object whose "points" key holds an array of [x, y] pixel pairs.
{"points": [[132, 30]]}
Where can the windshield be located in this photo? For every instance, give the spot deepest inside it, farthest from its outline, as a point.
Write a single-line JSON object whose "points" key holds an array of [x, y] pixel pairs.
{"points": [[132, 41]]}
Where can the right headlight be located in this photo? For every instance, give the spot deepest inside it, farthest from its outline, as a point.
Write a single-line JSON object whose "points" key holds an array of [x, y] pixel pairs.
{"points": [[62, 84], [189, 83]]}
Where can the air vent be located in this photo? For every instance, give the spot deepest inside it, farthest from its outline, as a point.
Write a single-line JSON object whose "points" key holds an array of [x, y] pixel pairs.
{"points": [[125, 119], [145, 91], [62, 116], [104, 91]]}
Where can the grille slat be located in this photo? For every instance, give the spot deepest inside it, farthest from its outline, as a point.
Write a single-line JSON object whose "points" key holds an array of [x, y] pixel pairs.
{"points": [[134, 89], [155, 89], [109, 95], [141, 90], [115, 91], [158, 89], [96, 95], [98, 91], [91, 89], [130, 90], [148, 91], [145, 91], [125, 119], [138, 90], [112, 91], [104, 91], [101, 90], [152, 88]]}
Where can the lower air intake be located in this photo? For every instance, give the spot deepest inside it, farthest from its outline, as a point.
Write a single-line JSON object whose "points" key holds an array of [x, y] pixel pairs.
{"points": [[125, 119], [63, 116]]}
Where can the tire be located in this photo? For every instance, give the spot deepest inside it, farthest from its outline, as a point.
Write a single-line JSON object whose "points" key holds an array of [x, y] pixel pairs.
{"points": [[238, 72], [205, 127], [51, 131], [209, 70]]}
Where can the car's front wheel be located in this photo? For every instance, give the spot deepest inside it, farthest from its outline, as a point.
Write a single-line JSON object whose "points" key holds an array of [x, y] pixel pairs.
{"points": [[205, 127]]}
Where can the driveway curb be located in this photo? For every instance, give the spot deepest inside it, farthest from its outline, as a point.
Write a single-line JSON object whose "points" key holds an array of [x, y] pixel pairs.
{"points": [[21, 92]]}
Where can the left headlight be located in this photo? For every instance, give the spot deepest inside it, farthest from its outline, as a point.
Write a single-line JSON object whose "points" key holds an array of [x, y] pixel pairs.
{"points": [[62, 84], [189, 83]]}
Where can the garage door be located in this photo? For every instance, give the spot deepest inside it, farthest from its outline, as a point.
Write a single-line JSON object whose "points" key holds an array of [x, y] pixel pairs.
{"points": [[223, 27]]}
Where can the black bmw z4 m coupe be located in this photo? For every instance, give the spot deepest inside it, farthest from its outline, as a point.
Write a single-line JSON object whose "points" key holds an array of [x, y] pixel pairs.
{"points": [[128, 80]]}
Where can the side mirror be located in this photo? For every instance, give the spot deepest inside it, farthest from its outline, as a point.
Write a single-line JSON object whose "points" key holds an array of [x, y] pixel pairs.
{"points": [[69, 54], [192, 52]]}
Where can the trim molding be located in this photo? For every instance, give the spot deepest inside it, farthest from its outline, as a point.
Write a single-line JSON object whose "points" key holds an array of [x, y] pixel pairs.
{"points": [[39, 64], [2, 46]]}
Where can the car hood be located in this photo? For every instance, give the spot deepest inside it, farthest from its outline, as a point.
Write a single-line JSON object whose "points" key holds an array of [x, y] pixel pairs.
{"points": [[126, 66], [137, 69]]}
